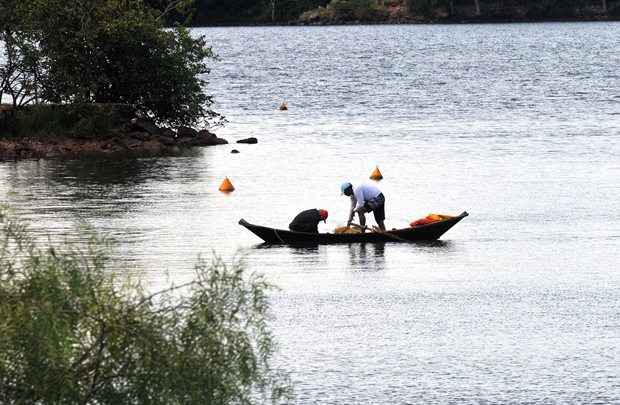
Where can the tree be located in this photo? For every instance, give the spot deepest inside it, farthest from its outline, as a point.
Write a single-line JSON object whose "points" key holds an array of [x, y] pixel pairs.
{"points": [[244, 11], [350, 10], [174, 11], [428, 7], [70, 332], [19, 63], [477, 7], [273, 10], [117, 51]]}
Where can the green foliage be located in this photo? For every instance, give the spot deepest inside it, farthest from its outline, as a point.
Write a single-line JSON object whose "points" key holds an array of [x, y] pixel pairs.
{"points": [[252, 11], [427, 7], [78, 120], [347, 10], [20, 68], [174, 11], [558, 8], [70, 332], [114, 51], [248, 11], [290, 10]]}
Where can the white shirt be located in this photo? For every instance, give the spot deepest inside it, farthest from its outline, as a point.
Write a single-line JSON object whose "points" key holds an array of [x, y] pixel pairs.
{"points": [[363, 193]]}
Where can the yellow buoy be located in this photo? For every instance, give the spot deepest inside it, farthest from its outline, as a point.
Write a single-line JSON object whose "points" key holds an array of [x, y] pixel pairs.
{"points": [[376, 174], [226, 186]]}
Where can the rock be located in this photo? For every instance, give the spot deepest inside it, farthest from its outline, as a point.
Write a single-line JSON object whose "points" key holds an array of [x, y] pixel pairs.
{"points": [[187, 142], [142, 125], [153, 148], [248, 141], [54, 154], [24, 153], [169, 133], [166, 140], [206, 138], [210, 141], [141, 136], [186, 132], [134, 145], [234, 151], [206, 133]]}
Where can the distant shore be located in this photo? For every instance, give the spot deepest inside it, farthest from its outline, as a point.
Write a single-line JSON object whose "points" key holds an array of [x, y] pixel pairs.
{"points": [[414, 22], [358, 12]]}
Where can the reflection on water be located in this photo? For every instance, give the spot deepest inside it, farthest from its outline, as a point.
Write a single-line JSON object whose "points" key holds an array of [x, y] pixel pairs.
{"points": [[367, 256], [518, 124], [114, 186], [304, 250]]}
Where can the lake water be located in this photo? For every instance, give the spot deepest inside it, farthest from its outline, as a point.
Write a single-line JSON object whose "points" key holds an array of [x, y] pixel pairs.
{"points": [[517, 124]]}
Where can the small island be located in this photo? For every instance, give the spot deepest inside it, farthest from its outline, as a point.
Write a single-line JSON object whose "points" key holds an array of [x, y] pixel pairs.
{"points": [[92, 77], [79, 130]]}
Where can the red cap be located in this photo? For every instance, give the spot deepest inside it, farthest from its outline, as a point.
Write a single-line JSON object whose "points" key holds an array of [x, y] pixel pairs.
{"points": [[323, 214]]}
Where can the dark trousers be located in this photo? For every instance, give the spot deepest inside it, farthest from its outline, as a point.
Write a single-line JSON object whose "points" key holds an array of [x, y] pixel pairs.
{"points": [[377, 206]]}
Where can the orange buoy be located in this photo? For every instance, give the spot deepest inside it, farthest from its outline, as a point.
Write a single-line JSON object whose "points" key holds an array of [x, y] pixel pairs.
{"points": [[376, 174], [226, 186]]}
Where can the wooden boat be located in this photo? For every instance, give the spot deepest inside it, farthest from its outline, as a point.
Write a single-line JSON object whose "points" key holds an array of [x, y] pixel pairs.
{"points": [[412, 234]]}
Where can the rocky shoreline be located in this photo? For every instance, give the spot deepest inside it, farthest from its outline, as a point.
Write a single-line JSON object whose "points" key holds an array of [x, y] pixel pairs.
{"points": [[139, 144], [135, 144], [136, 137]]}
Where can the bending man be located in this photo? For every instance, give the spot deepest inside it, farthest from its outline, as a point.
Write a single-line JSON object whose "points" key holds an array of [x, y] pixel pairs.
{"points": [[308, 221], [365, 198]]}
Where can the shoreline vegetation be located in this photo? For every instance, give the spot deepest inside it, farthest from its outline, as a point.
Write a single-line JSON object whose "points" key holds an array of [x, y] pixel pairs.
{"points": [[79, 130], [75, 332], [101, 77], [343, 12]]}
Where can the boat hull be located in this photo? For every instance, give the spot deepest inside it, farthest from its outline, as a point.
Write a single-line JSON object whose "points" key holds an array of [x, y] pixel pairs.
{"points": [[427, 232]]}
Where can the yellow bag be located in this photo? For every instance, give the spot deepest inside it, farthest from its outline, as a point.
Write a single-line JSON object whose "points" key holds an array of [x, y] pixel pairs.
{"points": [[346, 229]]}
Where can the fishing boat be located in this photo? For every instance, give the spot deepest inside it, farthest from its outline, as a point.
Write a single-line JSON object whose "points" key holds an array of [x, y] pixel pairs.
{"points": [[426, 232]]}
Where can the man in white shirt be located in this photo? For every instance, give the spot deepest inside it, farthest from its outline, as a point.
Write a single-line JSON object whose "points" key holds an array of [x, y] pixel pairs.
{"points": [[365, 198]]}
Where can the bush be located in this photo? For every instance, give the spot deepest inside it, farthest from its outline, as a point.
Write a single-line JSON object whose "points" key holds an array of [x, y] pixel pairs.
{"points": [[78, 120], [110, 51], [71, 332], [354, 10], [290, 10], [316, 15]]}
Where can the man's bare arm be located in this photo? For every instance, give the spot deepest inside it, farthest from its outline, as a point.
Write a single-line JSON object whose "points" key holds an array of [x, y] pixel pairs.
{"points": [[352, 210]]}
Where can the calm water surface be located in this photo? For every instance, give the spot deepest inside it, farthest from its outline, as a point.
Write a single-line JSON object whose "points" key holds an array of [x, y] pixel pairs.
{"points": [[517, 124]]}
